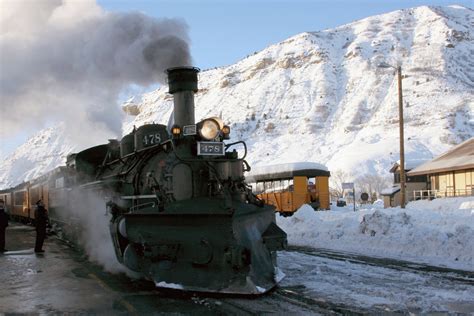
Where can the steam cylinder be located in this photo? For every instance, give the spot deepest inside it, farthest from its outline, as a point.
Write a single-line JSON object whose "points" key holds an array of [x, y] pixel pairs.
{"points": [[182, 83]]}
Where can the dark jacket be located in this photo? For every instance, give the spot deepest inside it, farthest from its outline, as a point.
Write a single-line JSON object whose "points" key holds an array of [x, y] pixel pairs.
{"points": [[3, 218], [41, 217]]}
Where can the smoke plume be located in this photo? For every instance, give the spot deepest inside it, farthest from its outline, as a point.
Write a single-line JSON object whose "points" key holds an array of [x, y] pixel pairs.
{"points": [[67, 60]]}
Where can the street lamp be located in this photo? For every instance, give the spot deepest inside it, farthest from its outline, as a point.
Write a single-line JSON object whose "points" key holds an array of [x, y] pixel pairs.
{"points": [[400, 115]]}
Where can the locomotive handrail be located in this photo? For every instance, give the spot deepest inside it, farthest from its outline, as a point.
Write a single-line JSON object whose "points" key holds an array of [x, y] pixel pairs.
{"points": [[143, 205], [111, 162], [238, 142], [99, 183], [134, 154]]}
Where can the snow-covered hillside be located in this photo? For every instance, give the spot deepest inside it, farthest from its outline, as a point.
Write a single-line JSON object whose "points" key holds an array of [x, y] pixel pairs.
{"points": [[43, 152], [320, 96]]}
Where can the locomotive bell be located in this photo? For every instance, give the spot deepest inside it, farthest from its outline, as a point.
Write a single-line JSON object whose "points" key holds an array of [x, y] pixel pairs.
{"points": [[182, 83]]}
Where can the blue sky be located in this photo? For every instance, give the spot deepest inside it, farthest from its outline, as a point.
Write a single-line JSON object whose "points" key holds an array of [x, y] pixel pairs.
{"points": [[223, 32]]}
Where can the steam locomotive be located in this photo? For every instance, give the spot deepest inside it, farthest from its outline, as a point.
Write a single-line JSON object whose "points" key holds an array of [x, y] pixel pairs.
{"points": [[181, 212]]}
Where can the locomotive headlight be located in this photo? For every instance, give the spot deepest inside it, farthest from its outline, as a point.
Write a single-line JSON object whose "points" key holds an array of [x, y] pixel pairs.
{"points": [[176, 130], [226, 131], [209, 129]]}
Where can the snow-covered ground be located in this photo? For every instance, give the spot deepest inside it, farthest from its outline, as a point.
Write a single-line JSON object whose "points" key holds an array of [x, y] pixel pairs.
{"points": [[375, 289], [438, 232]]}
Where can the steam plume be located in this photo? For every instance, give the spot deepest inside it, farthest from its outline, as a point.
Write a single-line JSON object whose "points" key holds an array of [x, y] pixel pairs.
{"points": [[68, 60], [89, 227]]}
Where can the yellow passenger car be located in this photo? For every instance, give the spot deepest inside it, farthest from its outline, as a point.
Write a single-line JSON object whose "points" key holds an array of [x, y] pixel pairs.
{"points": [[289, 186]]}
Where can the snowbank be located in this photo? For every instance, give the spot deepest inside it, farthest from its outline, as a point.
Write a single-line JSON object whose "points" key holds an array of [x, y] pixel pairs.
{"points": [[438, 232]]}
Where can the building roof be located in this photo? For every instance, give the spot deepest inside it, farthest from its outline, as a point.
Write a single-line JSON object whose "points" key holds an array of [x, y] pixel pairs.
{"points": [[286, 171], [409, 164], [391, 191], [459, 157]]}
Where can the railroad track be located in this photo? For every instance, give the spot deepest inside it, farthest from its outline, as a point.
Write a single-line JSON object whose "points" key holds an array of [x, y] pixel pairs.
{"points": [[463, 276], [280, 301], [328, 308], [136, 297]]}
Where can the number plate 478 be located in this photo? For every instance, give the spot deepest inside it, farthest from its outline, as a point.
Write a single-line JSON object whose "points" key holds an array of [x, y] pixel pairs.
{"points": [[211, 149]]}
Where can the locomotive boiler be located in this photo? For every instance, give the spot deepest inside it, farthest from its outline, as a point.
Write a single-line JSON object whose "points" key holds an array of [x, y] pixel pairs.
{"points": [[182, 213]]}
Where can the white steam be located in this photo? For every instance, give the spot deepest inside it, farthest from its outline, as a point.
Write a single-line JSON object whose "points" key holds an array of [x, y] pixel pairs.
{"points": [[86, 215], [68, 60], [95, 234]]}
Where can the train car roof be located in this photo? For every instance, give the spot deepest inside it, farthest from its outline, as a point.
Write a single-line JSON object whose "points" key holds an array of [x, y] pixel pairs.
{"points": [[287, 171], [48, 175], [42, 178], [18, 187]]}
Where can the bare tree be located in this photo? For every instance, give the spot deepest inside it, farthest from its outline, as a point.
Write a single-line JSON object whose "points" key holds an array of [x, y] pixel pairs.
{"points": [[336, 180], [372, 184]]}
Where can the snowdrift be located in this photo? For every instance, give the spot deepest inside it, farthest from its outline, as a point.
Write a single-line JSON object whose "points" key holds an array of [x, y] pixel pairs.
{"points": [[438, 232]]}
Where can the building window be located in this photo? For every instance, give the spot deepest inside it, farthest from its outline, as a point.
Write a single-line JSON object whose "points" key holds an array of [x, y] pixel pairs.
{"points": [[417, 179], [396, 177], [59, 183], [19, 198], [35, 195], [435, 182]]}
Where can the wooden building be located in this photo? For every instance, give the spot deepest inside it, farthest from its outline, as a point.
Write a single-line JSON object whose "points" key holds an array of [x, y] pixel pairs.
{"points": [[392, 195], [450, 174]]}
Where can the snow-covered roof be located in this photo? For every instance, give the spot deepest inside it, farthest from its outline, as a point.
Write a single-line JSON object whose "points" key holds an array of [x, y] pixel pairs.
{"points": [[409, 164], [458, 158], [391, 191], [413, 163], [286, 171]]}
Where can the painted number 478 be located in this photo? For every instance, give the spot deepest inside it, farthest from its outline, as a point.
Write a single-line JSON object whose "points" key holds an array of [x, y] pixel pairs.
{"points": [[151, 139]]}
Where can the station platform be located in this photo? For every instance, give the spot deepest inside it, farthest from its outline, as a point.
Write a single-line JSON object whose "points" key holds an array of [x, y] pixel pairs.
{"points": [[62, 281], [54, 282]]}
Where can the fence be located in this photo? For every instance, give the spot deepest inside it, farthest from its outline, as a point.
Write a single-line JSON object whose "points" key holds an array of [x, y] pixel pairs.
{"points": [[434, 194]]}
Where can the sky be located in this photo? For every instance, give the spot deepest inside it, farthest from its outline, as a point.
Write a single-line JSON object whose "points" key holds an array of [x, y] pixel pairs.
{"points": [[224, 31]]}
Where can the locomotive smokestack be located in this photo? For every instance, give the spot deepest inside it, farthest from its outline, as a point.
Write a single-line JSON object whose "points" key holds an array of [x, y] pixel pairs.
{"points": [[182, 83]]}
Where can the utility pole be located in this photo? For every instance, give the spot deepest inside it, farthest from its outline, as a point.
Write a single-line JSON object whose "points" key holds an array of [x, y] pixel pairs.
{"points": [[402, 143], [400, 120]]}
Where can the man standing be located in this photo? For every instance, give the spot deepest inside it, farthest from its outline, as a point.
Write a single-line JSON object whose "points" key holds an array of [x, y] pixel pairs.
{"points": [[3, 225], [41, 220]]}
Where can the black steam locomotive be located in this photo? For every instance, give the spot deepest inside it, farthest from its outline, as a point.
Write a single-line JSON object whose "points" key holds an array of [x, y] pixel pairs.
{"points": [[182, 213]]}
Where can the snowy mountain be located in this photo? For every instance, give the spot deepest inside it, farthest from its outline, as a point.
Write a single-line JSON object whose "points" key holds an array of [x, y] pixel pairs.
{"points": [[320, 96], [43, 152]]}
